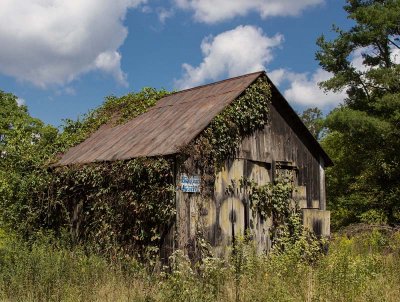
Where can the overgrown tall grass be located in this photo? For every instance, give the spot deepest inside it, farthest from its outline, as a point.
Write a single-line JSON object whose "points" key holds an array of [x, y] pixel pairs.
{"points": [[365, 267]]}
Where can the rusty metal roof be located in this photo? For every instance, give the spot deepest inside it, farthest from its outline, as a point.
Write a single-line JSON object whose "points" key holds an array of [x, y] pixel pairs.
{"points": [[167, 127]]}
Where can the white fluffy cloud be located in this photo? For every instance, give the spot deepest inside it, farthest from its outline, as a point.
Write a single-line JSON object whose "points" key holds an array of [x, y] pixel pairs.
{"points": [[53, 41], [110, 62], [304, 90], [212, 11], [234, 52], [278, 76], [395, 55]]}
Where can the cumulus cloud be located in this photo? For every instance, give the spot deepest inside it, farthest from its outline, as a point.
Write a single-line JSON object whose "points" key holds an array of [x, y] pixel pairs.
{"points": [[241, 50], [110, 62], [278, 76], [212, 11], [304, 89], [53, 41]]}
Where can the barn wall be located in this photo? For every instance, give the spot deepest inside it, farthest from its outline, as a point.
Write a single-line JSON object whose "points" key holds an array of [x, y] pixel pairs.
{"points": [[227, 215], [278, 144]]}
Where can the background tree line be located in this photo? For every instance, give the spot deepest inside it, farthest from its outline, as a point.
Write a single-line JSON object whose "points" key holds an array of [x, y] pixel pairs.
{"points": [[362, 135]]}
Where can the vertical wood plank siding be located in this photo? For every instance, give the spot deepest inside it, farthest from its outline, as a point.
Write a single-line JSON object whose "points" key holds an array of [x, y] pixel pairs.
{"points": [[278, 142]]}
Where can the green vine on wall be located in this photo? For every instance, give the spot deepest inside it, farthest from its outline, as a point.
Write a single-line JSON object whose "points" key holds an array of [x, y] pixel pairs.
{"points": [[122, 204], [221, 139], [274, 201], [127, 205]]}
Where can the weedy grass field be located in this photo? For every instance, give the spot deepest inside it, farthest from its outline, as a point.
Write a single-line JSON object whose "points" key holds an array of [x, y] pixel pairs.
{"points": [[358, 267]]}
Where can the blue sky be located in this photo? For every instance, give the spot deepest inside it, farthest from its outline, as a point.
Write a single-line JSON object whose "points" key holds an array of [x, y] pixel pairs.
{"points": [[61, 58]]}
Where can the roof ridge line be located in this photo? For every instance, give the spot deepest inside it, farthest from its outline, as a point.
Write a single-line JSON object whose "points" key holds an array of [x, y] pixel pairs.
{"points": [[206, 97], [218, 82]]}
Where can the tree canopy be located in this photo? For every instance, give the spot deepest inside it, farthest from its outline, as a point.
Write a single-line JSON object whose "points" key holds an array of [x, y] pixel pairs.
{"points": [[313, 118], [364, 132]]}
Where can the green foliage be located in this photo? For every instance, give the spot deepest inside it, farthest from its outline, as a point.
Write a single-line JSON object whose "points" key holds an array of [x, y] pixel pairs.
{"points": [[26, 145], [25, 142], [314, 121], [107, 205], [114, 110], [44, 271], [362, 267], [364, 134], [120, 205], [373, 216], [274, 200], [202, 281], [41, 272]]}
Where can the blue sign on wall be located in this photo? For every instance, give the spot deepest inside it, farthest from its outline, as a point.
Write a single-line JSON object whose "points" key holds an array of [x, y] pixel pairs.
{"points": [[190, 184]]}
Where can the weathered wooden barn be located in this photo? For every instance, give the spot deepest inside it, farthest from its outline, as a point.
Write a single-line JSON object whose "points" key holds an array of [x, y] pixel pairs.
{"points": [[284, 143]]}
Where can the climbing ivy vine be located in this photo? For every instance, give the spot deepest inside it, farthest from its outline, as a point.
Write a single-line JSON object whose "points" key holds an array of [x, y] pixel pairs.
{"points": [[274, 200], [221, 139], [123, 205], [114, 110]]}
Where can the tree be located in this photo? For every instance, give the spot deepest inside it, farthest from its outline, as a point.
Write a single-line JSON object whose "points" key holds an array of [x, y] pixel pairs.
{"points": [[364, 133], [25, 141], [313, 119], [26, 144]]}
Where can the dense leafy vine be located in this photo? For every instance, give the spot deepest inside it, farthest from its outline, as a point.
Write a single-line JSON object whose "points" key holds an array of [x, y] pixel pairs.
{"points": [[274, 201], [129, 205], [121, 204], [115, 110], [221, 139]]}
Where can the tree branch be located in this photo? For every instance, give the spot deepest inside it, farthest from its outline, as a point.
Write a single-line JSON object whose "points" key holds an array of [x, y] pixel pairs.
{"points": [[394, 43]]}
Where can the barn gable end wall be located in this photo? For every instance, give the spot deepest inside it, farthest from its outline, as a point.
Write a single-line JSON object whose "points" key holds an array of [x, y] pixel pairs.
{"points": [[221, 218]]}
